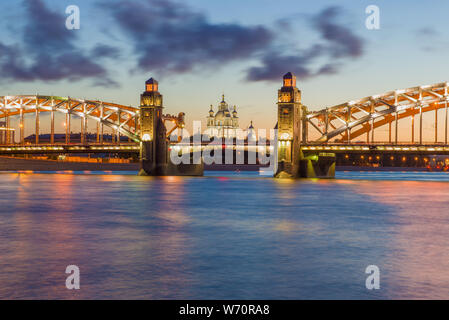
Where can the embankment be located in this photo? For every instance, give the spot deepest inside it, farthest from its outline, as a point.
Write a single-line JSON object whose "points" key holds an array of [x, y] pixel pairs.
{"points": [[19, 164], [360, 168]]}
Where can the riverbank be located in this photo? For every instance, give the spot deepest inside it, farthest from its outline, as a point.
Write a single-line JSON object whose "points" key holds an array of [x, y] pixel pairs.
{"points": [[360, 168], [19, 164]]}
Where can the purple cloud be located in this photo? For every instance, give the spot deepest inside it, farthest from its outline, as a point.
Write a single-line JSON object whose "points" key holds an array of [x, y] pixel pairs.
{"points": [[48, 51], [171, 37], [338, 43]]}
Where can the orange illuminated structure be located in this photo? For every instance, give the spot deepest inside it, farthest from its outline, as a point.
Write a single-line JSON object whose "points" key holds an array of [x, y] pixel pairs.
{"points": [[152, 85], [348, 121], [7, 135], [289, 80]]}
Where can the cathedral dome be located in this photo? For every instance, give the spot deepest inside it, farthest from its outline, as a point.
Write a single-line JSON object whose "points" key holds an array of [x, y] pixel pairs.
{"points": [[225, 121], [234, 113], [220, 115], [223, 110]]}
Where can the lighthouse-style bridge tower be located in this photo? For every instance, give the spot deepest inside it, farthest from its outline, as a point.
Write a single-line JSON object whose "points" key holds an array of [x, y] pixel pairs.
{"points": [[153, 132], [292, 134], [154, 150]]}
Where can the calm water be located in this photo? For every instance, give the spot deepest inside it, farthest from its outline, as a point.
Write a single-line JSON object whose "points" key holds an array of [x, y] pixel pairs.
{"points": [[237, 236]]}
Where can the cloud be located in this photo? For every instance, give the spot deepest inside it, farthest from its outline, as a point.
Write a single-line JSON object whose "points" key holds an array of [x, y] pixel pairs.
{"points": [[105, 51], [170, 37], [342, 41], [430, 40], [47, 51], [426, 32], [338, 43]]}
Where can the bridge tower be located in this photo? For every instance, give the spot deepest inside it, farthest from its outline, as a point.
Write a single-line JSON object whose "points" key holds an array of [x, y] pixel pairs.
{"points": [[153, 150], [292, 133], [289, 127]]}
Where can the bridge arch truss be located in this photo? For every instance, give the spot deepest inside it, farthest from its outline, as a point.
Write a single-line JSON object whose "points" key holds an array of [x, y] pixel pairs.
{"points": [[123, 120], [345, 122]]}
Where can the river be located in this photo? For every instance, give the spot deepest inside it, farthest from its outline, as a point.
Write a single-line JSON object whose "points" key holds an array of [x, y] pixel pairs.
{"points": [[224, 236]]}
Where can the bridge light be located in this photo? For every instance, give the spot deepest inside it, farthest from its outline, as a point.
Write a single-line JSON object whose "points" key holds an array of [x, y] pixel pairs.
{"points": [[391, 158], [416, 158], [404, 158], [285, 136]]}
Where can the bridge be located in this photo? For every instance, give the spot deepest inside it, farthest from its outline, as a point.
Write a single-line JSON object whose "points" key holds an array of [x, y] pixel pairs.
{"points": [[145, 127], [308, 141], [350, 129], [348, 121], [122, 120], [353, 131]]}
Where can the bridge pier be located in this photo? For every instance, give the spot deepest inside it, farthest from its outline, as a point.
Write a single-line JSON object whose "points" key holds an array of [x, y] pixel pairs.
{"points": [[292, 132], [154, 151]]}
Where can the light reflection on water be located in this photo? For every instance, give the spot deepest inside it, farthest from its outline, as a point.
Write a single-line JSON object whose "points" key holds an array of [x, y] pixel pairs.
{"points": [[226, 236]]}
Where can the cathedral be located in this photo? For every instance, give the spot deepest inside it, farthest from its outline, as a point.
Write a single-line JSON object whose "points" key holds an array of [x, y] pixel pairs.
{"points": [[222, 124]]}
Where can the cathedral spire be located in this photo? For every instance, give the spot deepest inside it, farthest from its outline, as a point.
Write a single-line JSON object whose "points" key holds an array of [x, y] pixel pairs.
{"points": [[211, 111]]}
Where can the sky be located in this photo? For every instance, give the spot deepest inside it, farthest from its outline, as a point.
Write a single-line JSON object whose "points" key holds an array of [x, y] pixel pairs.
{"points": [[200, 49]]}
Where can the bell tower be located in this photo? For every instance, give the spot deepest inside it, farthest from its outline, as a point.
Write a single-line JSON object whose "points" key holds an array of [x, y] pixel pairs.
{"points": [[152, 131], [289, 126]]}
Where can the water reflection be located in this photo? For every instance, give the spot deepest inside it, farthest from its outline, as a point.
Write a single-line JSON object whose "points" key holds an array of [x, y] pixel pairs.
{"points": [[418, 262], [222, 237]]}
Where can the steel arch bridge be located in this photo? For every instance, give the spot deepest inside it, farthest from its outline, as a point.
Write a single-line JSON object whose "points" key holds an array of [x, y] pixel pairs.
{"points": [[123, 120], [345, 122]]}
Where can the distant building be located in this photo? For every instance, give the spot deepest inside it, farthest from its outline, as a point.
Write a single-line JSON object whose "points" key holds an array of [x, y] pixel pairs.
{"points": [[222, 124], [251, 133]]}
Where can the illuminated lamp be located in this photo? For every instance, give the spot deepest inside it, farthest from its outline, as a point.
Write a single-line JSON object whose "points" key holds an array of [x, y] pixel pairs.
{"points": [[285, 136]]}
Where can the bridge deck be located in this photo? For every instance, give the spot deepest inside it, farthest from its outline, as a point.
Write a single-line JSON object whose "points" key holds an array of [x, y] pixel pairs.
{"points": [[378, 148], [68, 148]]}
